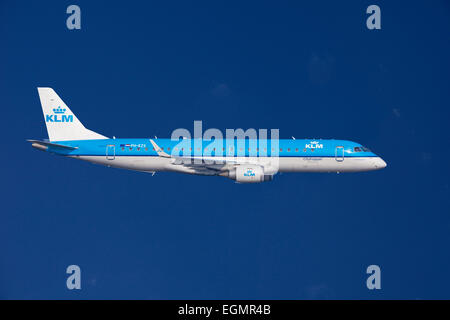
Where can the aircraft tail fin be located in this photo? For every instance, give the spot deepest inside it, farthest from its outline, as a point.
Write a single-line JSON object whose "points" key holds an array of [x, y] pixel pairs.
{"points": [[61, 122]]}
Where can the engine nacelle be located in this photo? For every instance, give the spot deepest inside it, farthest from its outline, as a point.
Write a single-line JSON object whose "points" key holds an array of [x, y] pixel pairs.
{"points": [[249, 174]]}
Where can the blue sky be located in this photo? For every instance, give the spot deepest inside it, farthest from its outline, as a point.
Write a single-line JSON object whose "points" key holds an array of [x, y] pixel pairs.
{"points": [[139, 69]]}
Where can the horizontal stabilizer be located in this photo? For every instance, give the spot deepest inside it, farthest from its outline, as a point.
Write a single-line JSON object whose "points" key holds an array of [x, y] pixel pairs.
{"points": [[44, 144]]}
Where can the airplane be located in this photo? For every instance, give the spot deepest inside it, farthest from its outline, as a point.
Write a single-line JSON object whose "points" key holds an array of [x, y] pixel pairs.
{"points": [[242, 160]]}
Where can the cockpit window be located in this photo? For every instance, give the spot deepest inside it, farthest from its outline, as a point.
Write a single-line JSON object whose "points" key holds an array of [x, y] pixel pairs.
{"points": [[356, 149], [366, 149]]}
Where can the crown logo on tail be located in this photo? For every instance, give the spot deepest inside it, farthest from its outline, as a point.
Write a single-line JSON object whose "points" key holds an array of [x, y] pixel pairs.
{"points": [[59, 110]]}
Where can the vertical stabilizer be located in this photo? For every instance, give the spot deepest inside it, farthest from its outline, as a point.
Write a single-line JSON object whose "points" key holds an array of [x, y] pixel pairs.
{"points": [[62, 124]]}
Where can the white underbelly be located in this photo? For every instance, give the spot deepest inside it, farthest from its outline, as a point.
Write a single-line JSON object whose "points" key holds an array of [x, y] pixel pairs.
{"points": [[326, 164], [140, 163], [284, 164]]}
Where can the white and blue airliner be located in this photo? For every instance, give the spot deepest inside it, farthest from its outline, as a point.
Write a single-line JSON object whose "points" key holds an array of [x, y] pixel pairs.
{"points": [[243, 160]]}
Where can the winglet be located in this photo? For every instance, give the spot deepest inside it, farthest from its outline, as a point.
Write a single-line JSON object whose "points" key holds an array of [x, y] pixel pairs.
{"points": [[158, 150]]}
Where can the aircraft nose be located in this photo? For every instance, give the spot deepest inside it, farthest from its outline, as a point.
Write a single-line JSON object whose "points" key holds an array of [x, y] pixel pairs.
{"points": [[380, 163]]}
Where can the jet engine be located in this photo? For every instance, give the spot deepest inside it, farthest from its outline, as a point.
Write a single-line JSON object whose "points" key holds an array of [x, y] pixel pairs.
{"points": [[249, 174]]}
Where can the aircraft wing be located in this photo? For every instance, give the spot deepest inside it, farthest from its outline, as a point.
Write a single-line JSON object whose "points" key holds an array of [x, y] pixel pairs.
{"points": [[210, 165]]}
